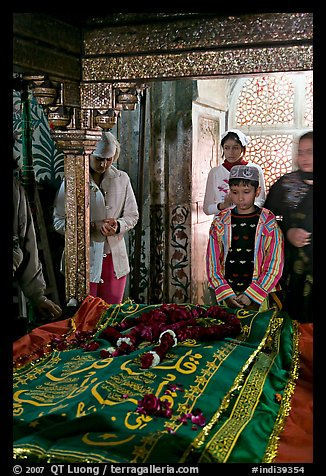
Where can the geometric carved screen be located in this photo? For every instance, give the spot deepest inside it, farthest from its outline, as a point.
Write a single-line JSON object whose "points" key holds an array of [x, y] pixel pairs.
{"points": [[274, 110], [273, 153], [308, 109]]}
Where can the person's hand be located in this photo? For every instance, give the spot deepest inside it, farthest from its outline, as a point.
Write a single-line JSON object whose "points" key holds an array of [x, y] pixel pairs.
{"points": [[48, 309], [109, 227], [247, 303], [243, 299], [298, 237], [233, 302], [227, 201]]}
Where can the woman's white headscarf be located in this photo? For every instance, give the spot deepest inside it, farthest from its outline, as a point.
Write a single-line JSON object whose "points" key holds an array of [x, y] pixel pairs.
{"points": [[242, 137], [107, 146]]}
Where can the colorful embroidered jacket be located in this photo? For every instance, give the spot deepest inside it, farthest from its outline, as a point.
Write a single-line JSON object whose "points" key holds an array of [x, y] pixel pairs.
{"points": [[268, 256]]}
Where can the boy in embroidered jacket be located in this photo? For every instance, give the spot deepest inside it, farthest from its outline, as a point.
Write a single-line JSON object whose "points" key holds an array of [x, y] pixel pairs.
{"points": [[245, 252]]}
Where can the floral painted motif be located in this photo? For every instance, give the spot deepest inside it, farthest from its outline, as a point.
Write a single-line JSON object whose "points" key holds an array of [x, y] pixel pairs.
{"points": [[48, 162]]}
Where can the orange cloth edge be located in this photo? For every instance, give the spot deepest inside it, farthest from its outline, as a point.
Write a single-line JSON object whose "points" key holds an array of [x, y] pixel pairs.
{"points": [[296, 440], [33, 345]]}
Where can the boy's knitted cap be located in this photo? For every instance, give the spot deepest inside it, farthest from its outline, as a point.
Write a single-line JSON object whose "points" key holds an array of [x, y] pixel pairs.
{"points": [[244, 172]]}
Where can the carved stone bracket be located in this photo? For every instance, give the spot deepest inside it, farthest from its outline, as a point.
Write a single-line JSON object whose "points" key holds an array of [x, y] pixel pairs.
{"points": [[76, 142], [103, 102]]}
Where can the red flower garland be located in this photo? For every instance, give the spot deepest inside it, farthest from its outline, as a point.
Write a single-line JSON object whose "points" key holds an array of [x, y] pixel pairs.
{"points": [[152, 405], [168, 324], [154, 357], [83, 339]]}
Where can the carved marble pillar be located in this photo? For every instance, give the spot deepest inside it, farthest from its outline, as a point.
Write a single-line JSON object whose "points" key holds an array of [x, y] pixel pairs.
{"points": [[76, 146]]}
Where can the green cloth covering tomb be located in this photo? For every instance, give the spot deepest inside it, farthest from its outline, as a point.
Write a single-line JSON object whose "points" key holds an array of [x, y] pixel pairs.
{"points": [[74, 406]]}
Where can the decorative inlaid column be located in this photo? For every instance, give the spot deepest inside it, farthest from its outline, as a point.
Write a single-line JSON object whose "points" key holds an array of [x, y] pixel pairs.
{"points": [[76, 146]]}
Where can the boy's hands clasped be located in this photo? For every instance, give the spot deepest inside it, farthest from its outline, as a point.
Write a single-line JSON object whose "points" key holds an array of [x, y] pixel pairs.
{"points": [[238, 301], [242, 301]]}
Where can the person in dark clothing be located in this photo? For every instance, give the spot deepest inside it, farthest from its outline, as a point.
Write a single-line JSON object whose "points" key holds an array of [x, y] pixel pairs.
{"points": [[291, 199]]}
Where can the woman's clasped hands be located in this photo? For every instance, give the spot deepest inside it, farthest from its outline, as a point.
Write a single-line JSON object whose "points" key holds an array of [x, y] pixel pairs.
{"points": [[109, 227]]}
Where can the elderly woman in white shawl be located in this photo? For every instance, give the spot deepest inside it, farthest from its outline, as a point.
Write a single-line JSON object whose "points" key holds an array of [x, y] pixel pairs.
{"points": [[113, 212]]}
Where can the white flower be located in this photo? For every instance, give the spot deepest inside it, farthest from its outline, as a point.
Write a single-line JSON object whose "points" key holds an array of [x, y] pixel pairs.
{"points": [[169, 331], [127, 340], [156, 358]]}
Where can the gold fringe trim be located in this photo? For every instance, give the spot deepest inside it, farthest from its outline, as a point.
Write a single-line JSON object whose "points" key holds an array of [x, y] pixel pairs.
{"points": [[40, 455], [285, 405], [238, 381]]}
